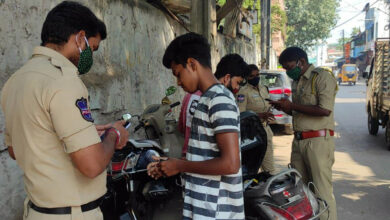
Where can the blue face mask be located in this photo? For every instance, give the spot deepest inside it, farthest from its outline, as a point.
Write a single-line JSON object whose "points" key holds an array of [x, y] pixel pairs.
{"points": [[255, 81]]}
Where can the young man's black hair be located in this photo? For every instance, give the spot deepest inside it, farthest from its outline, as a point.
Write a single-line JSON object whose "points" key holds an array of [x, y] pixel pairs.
{"points": [[190, 45], [234, 65], [292, 54], [68, 18], [253, 67]]}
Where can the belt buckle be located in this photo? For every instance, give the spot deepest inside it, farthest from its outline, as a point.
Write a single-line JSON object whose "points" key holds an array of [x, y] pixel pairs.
{"points": [[298, 135]]}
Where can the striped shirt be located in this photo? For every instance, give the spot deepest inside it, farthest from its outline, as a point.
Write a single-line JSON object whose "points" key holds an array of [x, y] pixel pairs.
{"points": [[213, 196]]}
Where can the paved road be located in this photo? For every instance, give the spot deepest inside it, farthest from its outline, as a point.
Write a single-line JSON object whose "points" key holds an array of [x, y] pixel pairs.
{"points": [[361, 173]]}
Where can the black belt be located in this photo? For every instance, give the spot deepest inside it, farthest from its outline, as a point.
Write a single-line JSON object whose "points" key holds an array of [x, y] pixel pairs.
{"points": [[66, 210]]}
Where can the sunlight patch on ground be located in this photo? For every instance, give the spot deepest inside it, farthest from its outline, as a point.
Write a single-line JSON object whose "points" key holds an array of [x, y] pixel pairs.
{"points": [[346, 168], [354, 196], [350, 100]]}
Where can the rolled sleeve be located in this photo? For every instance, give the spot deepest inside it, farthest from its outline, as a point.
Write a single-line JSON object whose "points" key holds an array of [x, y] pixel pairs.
{"points": [[326, 91], [71, 115], [81, 139]]}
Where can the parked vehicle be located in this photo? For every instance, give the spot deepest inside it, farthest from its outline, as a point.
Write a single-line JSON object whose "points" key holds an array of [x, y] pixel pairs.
{"points": [[279, 86], [266, 197], [378, 90], [348, 74], [132, 194], [366, 71]]}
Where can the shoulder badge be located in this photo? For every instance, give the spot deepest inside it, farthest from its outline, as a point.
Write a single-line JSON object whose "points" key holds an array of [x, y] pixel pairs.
{"points": [[240, 98], [82, 105]]}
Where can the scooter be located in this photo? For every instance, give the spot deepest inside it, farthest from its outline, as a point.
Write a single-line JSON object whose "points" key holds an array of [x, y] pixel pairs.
{"points": [[160, 125], [283, 196]]}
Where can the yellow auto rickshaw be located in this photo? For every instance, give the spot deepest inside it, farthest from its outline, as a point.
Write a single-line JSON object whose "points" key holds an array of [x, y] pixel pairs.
{"points": [[348, 74]]}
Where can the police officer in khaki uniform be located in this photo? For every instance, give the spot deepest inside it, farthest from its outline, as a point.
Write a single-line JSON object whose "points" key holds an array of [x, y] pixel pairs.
{"points": [[313, 97], [252, 97], [49, 128]]}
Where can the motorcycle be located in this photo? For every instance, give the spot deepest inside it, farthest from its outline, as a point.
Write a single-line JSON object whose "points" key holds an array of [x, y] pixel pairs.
{"points": [[283, 196], [131, 193]]}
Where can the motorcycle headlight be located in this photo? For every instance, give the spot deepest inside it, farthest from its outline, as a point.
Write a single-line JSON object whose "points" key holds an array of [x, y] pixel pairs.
{"points": [[128, 163]]}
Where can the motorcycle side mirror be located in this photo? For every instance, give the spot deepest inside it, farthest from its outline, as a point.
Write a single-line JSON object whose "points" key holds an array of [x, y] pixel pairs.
{"points": [[170, 91], [126, 118]]}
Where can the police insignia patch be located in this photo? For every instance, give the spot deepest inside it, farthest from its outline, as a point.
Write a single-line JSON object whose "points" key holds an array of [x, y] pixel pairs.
{"points": [[240, 98], [82, 104]]}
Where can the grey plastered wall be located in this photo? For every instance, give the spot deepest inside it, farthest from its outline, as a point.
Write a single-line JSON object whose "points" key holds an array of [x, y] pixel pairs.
{"points": [[127, 74]]}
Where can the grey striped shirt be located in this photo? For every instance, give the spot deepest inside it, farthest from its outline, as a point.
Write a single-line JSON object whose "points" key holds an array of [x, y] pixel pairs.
{"points": [[209, 196]]}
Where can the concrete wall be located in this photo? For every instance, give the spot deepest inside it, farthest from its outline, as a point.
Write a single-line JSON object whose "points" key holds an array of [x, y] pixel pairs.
{"points": [[127, 74]]}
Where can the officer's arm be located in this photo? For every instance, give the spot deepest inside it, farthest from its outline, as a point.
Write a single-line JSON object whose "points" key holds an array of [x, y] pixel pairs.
{"points": [[93, 160], [73, 124], [312, 110], [326, 87], [11, 152]]}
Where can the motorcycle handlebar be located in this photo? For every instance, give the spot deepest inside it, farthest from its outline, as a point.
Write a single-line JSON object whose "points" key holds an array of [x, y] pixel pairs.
{"points": [[138, 127], [174, 104]]}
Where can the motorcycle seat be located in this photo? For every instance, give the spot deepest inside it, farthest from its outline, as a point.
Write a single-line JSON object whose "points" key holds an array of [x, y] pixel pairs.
{"points": [[144, 143]]}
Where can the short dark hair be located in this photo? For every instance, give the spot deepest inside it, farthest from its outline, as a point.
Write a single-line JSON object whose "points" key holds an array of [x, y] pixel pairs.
{"points": [[190, 45], [292, 54], [234, 65], [68, 18], [252, 67]]}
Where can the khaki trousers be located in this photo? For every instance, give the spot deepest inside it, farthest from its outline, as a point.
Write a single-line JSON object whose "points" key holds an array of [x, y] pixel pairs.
{"points": [[268, 161], [314, 158], [77, 214]]}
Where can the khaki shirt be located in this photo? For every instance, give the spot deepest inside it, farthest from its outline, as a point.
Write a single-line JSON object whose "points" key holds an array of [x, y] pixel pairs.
{"points": [[322, 94], [47, 117], [253, 99]]}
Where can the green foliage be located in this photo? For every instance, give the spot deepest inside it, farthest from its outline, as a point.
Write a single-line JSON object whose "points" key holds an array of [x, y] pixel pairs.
{"points": [[278, 17], [340, 43], [249, 4], [310, 21], [355, 31], [221, 2], [278, 20]]}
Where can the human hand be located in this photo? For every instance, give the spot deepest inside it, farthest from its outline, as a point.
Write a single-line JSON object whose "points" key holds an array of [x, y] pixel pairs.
{"points": [[267, 116], [283, 104], [170, 167], [153, 168], [102, 128], [124, 134]]}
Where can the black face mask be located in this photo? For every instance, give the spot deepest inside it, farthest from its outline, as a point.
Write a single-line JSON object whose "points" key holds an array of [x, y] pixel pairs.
{"points": [[255, 81]]}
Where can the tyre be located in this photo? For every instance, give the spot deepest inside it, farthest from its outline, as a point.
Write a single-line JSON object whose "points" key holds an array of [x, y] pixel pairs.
{"points": [[387, 136], [373, 124], [288, 129]]}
